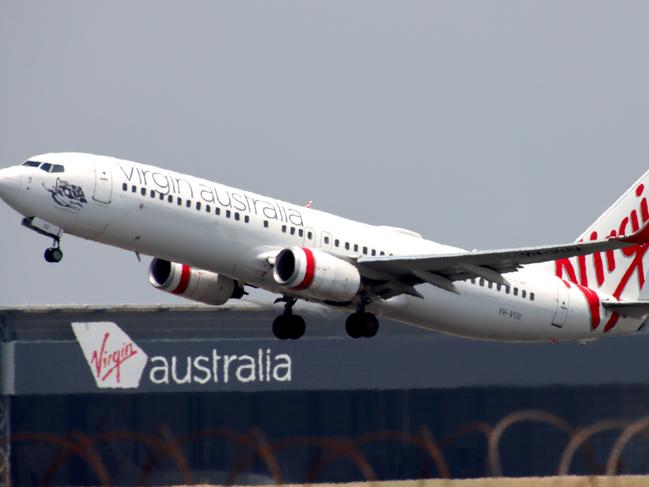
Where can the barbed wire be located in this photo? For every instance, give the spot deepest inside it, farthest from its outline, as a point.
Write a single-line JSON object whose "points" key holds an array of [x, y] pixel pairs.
{"points": [[254, 446]]}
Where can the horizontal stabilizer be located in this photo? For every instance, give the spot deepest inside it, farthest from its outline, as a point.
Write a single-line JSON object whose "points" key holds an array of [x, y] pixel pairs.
{"points": [[632, 309]]}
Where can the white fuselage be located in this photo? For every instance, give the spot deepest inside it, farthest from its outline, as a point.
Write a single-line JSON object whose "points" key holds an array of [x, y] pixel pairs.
{"points": [[217, 228]]}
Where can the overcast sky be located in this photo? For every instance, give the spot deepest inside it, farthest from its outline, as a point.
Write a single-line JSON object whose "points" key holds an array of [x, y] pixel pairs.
{"points": [[479, 124]]}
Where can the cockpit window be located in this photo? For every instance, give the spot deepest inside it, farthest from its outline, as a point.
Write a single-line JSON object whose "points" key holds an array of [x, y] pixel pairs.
{"points": [[45, 166]]}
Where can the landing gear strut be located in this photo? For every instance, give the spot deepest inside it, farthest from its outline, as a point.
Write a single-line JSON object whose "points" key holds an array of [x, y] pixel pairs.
{"points": [[362, 323], [287, 325], [54, 253]]}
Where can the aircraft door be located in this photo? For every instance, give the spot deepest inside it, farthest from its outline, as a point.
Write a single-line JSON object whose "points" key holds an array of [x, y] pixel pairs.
{"points": [[563, 306], [103, 184]]}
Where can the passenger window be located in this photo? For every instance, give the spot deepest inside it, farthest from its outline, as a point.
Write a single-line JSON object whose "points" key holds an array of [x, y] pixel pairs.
{"points": [[134, 189], [337, 243], [217, 210], [246, 218], [515, 291], [124, 187], [143, 191], [523, 293], [292, 230], [309, 235], [46, 166], [152, 194], [57, 168], [208, 208], [31, 164], [498, 286], [180, 201], [265, 223], [355, 247], [346, 245], [481, 281], [365, 250], [373, 251], [236, 215], [382, 253], [300, 232], [531, 296], [490, 284], [473, 280], [228, 213], [283, 228], [198, 205], [188, 204], [170, 199], [326, 240], [507, 289]]}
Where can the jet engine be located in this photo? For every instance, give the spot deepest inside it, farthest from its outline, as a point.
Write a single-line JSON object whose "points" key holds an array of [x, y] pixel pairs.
{"points": [[316, 274], [195, 284]]}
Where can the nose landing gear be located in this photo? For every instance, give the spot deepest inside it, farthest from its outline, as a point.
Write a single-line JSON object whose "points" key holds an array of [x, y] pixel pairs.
{"points": [[53, 254], [287, 325]]}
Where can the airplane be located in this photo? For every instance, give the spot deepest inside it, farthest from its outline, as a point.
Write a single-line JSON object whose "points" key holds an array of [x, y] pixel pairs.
{"points": [[208, 241]]}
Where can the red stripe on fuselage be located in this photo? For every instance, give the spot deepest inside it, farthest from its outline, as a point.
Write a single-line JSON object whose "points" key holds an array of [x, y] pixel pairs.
{"points": [[184, 280], [310, 270], [593, 305]]}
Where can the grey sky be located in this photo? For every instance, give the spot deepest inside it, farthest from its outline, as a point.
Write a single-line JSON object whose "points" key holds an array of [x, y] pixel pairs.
{"points": [[480, 124]]}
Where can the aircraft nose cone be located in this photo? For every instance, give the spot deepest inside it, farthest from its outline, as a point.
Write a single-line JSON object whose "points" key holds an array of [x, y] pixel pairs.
{"points": [[9, 183]]}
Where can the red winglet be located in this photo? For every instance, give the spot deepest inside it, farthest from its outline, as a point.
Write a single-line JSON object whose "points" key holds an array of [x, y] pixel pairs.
{"points": [[640, 237]]}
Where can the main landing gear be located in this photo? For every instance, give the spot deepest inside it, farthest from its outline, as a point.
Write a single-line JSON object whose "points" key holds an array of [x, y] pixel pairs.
{"points": [[287, 325], [362, 324], [358, 324]]}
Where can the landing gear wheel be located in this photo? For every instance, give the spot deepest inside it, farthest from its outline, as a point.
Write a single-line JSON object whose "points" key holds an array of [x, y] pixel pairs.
{"points": [[370, 325], [361, 324], [354, 325], [53, 254], [297, 327], [289, 326]]}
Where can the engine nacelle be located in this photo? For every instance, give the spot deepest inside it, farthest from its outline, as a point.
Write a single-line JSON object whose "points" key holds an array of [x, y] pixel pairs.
{"points": [[316, 274], [195, 284]]}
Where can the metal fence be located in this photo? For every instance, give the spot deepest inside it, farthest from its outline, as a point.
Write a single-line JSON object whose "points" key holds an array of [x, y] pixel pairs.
{"points": [[253, 447]]}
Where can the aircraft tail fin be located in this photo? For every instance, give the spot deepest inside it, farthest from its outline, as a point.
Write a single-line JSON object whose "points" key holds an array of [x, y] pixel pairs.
{"points": [[619, 273]]}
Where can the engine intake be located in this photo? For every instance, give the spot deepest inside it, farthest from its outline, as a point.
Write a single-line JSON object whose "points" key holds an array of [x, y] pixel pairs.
{"points": [[316, 274], [198, 285]]}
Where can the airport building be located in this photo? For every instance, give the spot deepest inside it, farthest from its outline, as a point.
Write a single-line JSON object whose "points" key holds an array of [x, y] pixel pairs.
{"points": [[164, 395]]}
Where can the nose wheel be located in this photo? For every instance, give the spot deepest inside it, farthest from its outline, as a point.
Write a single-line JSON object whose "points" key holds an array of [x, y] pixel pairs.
{"points": [[54, 254]]}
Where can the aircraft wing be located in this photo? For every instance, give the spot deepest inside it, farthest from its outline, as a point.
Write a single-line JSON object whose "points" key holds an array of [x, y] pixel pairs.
{"points": [[403, 272]]}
